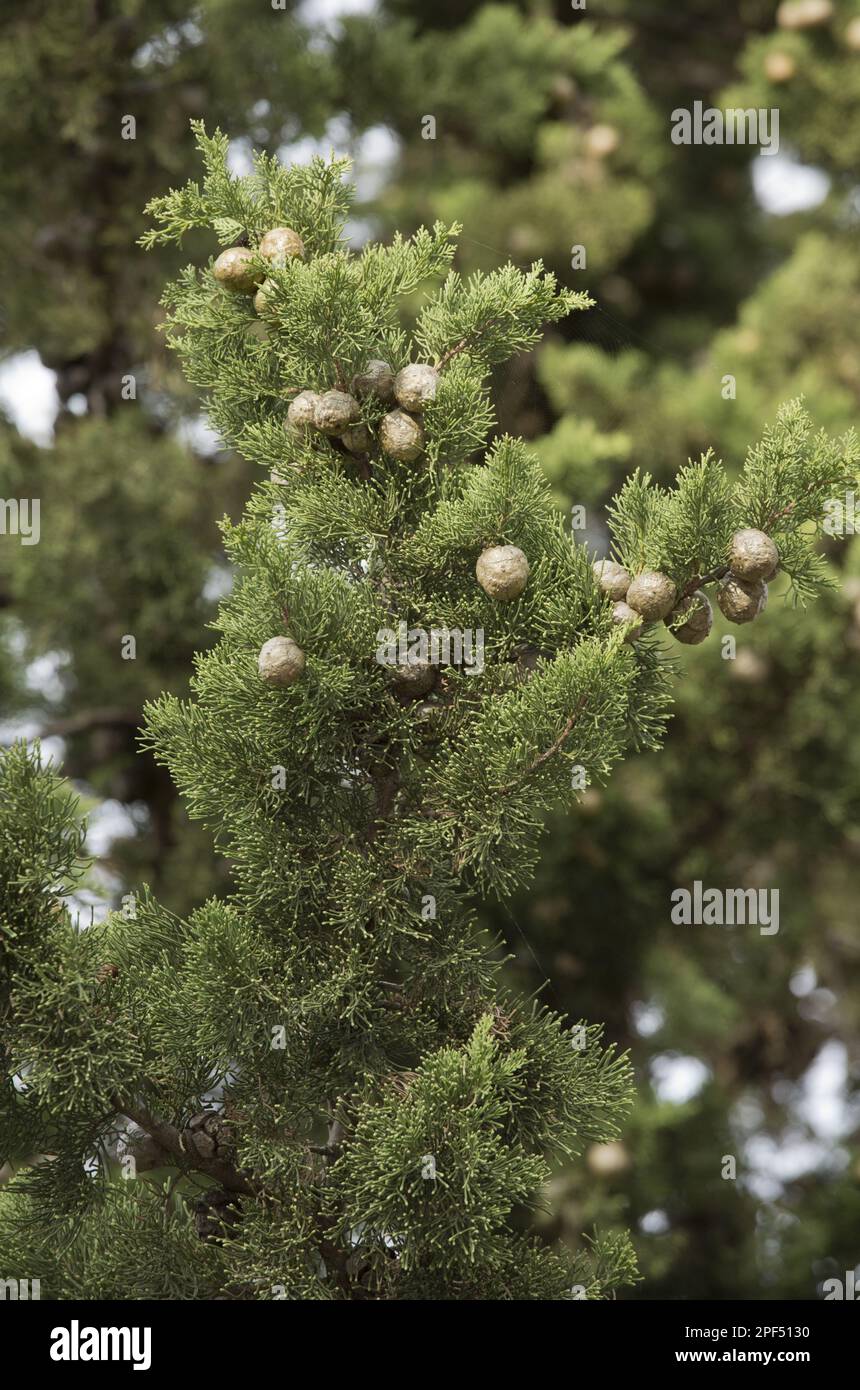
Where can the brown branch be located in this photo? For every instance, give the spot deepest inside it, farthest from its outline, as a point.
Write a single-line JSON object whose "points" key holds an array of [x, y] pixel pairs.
{"points": [[386, 783], [444, 813], [790, 506], [170, 1140], [548, 753], [699, 579], [452, 352], [331, 1148], [466, 342]]}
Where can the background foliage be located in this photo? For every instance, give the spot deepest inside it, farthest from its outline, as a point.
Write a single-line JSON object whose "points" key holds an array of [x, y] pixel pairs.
{"points": [[551, 131]]}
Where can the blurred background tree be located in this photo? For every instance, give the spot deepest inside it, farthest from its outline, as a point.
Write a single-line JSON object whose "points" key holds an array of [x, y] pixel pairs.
{"points": [[95, 101], [725, 281]]}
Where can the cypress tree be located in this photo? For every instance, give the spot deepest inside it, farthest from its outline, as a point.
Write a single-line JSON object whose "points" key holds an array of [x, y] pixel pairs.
{"points": [[319, 1087]]}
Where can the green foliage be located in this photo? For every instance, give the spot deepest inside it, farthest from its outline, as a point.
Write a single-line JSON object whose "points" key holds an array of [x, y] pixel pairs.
{"points": [[444, 1220], [135, 1245], [513, 96], [686, 531], [818, 95], [336, 1030], [74, 188], [493, 314], [312, 199], [131, 561]]}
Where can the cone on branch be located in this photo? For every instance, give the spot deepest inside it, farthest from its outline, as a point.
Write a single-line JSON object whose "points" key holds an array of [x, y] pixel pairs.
{"points": [[502, 572], [804, 14], [261, 298], [625, 616], [301, 413], [207, 1136], [357, 439], [415, 386], [613, 578], [335, 411], [652, 594], [401, 436], [779, 67], [740, 600], [415, 679], [602, 140], [281, 662], [753, 555], [281, 245], [691, 620], [376, 379], [235, 270]]}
